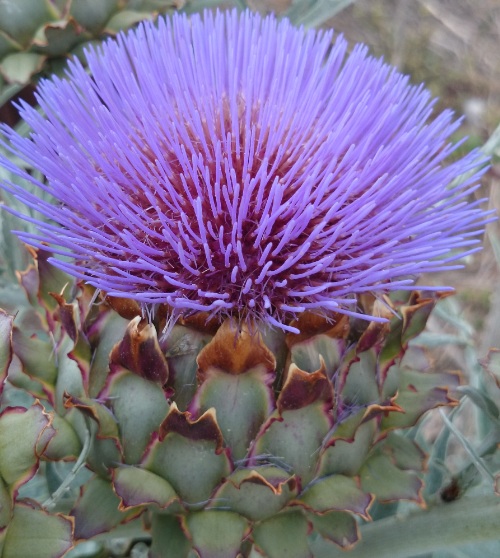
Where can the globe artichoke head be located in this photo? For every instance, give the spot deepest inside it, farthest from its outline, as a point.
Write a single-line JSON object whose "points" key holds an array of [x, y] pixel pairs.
{"points": [[222, 335]]}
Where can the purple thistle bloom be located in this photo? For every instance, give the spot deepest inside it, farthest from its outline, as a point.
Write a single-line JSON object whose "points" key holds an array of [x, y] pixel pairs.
{"points": [[243, 167]]}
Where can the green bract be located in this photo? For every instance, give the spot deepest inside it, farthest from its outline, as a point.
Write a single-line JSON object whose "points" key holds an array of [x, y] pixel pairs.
{"points": [[38, 35], [212, 439]]}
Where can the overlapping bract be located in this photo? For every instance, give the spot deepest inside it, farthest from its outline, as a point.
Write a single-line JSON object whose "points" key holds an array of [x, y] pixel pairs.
{"points": [[240, 166], [216, 440]]}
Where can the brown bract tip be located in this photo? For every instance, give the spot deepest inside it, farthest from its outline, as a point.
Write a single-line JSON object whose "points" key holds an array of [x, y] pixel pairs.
{"points": [[203, 428], [71, 401], [140, 352], [304, 388], [126, 307], [309, 324], [201, 321], [379, 410], [235, 352], [66, 316], [421, 308], [376, 332], [276, 487]]}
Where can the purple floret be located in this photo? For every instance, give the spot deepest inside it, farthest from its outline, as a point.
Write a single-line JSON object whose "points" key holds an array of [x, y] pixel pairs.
{"points": [[240, 166]]}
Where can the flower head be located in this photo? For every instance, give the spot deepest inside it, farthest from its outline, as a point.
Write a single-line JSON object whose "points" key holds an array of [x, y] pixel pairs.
{"points": [[240, 166]]}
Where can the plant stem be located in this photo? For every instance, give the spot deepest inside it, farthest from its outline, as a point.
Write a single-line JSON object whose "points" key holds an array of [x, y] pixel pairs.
{"points": [[51, 502], [476, 459], [469, 520]]}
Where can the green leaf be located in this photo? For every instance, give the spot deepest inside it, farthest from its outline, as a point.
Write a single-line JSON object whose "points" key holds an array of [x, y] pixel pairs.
{"points": [[15, 21], [13, 301], [296, 439], [404, 452], [37, 356], [88, 549], [448, 526], [6, 506], [105, 450], [20, 66], [34, 533], [256, 494], [436, 340], [217, 534], [387, 482], [169, 537], [419, 392], [476, 459], [140, 407], [346, 428], [19, 379], [125, 19], [57, 38], [51, 280], [69, 376], [103, 455], [7, 45], [63, 482], [338, 527], [189, 456], [283, 535], [5, 345], [29, 280], [193, 468], [335, 493], [415, 319], [99, 413], [361, 383], [436, 472], [14, 255], [6, 94], [346, 457], [65, 444], [181, 349], [97, 511], [306, 354], [158, 6], [93, 14], [137, 487], [492, 365], [104, 334], [313, 13], [242, 403], [24, 434]]}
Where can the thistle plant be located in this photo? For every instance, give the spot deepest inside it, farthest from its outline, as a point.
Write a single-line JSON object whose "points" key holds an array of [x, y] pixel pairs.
{"points": [[216, 323]]}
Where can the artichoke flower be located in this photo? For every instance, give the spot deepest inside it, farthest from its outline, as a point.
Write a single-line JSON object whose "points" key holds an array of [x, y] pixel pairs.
{"points": [[241, 183], [252, 205]]}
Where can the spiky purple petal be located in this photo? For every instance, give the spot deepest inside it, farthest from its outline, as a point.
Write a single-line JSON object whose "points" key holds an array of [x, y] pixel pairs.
{"points": [[240, 166]]}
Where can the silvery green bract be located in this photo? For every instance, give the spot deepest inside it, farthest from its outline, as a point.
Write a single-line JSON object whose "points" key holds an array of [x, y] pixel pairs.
{"points": [[214, 439], [36, 36]]}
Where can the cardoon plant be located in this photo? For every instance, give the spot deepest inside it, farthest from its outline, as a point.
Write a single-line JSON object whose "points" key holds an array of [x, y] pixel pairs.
{"points": [[237, 211]]}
